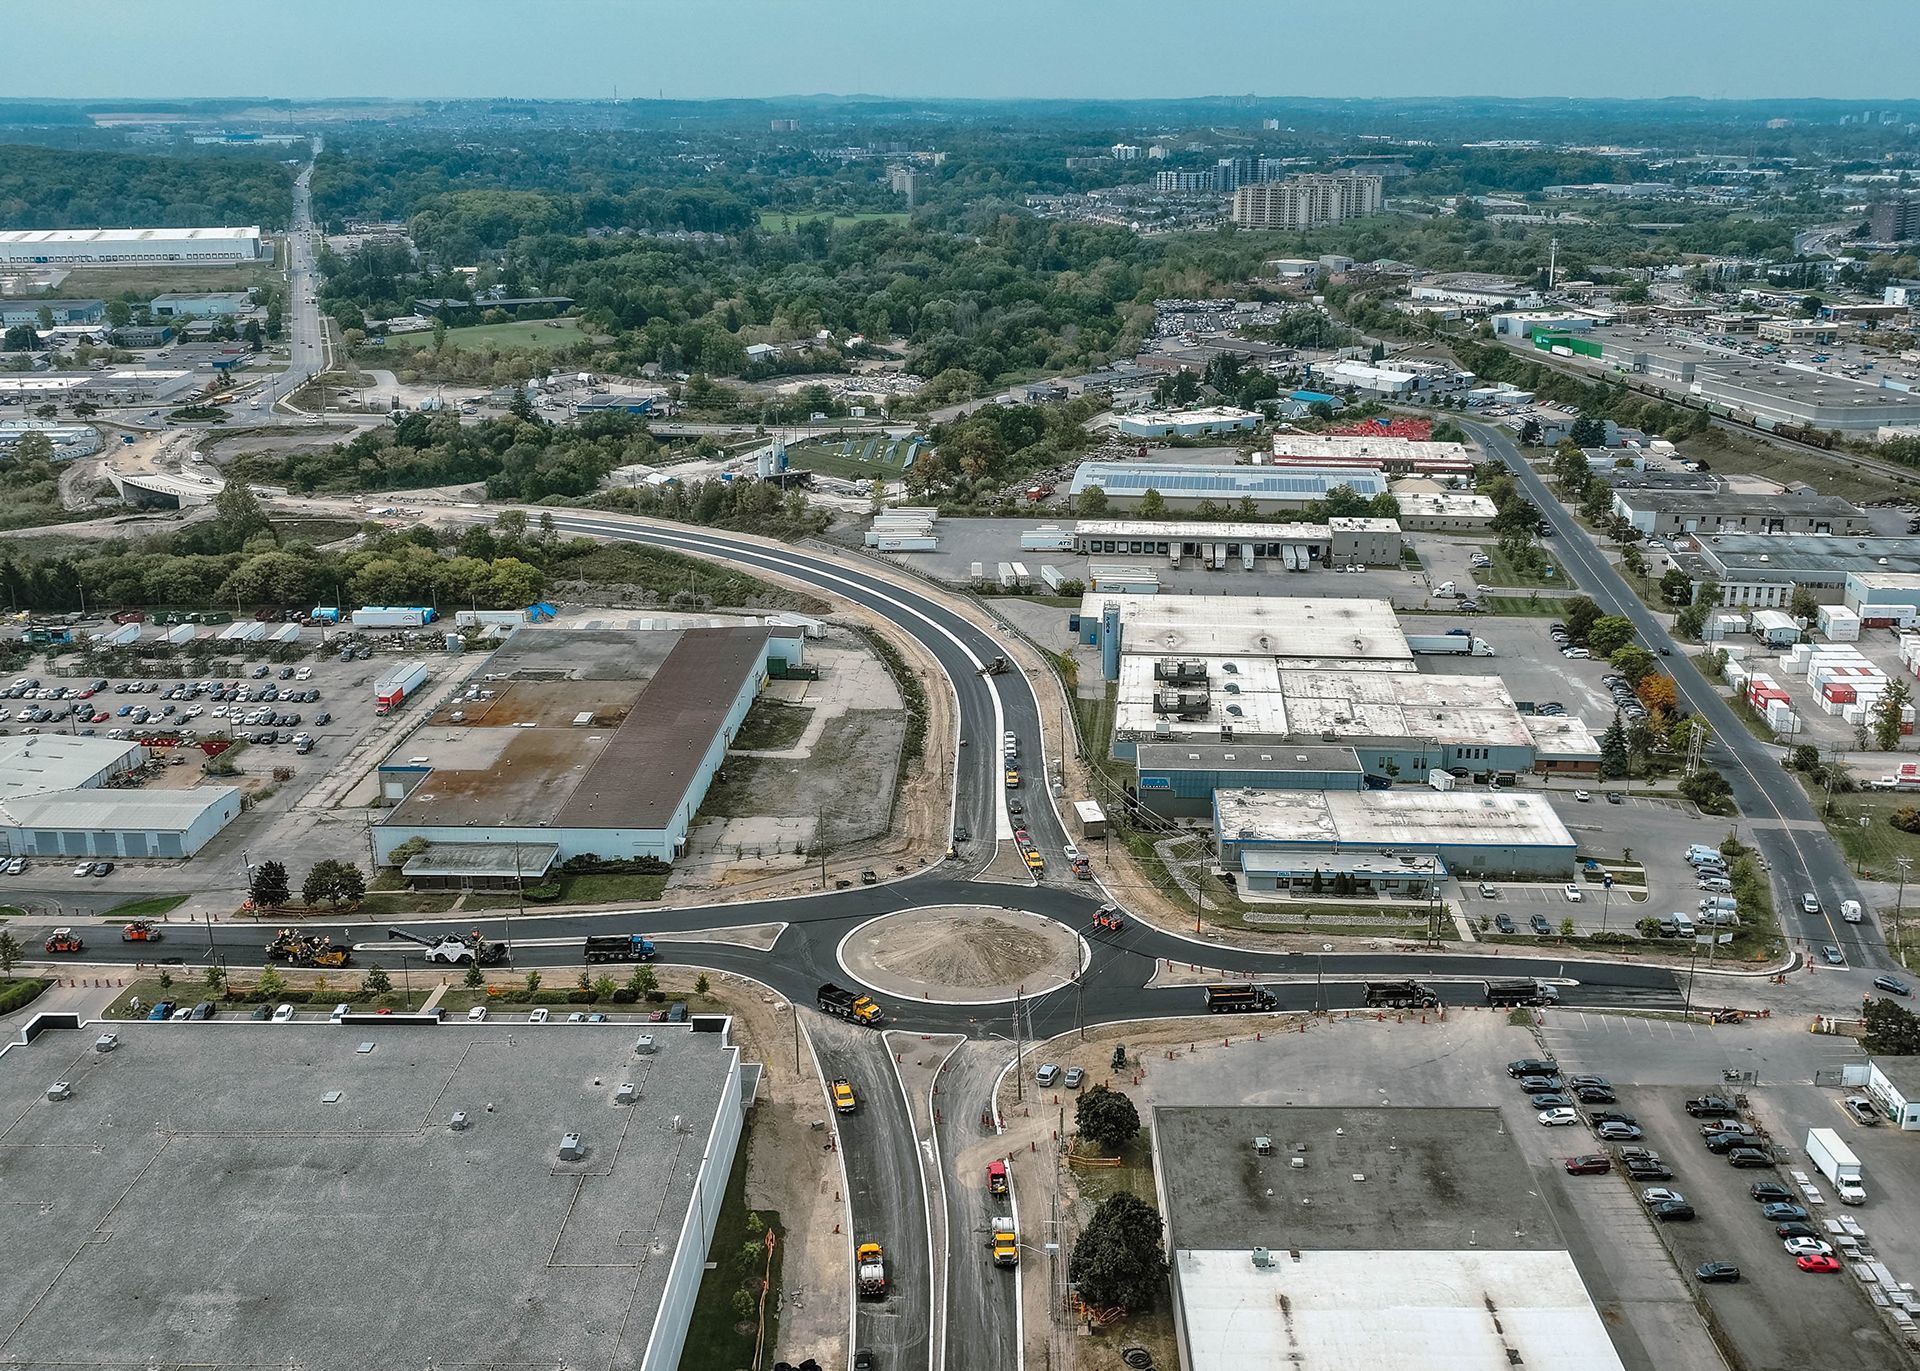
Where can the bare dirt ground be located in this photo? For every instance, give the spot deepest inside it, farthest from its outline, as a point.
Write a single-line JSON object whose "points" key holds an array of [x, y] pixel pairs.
{"points": [[960, 953]]}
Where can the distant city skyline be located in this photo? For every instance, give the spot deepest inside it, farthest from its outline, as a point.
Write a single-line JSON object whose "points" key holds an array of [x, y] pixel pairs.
{"points": [[985, 49]]}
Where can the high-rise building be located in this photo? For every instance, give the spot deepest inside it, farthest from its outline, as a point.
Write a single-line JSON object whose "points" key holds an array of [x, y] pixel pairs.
{"points": [[1124, 152], [1183, 182], [1231, 173], [1307, 202], [1894, 221]]}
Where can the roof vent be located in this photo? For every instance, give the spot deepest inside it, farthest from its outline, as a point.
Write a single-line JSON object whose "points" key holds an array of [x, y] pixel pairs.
{"points": [[458, 1123], [572, 1148], [60, 1090]]}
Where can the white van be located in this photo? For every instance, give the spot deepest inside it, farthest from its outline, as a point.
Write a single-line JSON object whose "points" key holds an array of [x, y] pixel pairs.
{"points": [[1719, 902], [1683, 925], [1850, 911]]}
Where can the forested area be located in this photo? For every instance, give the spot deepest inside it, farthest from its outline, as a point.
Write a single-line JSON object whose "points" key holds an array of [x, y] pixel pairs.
{"points": [[44, 188]]}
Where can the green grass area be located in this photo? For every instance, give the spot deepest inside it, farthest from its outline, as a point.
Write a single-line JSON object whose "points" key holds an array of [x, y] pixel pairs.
{"points": [[17, 992], [189, 988], [383, 904], [1503, 572], [725, 1330], [853, 459], [1529, 607], [785, 221], [108, 282], [598, 887], [143, 909], [1837, 474], [1134, 1175], [770, 726], [1872, 847], [519, 334]]}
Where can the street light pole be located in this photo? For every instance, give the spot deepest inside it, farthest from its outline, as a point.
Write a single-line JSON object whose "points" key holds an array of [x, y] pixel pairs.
{"points": [[1899, 897]]}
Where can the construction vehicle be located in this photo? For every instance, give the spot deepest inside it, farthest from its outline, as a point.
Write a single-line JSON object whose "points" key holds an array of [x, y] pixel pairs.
{"points": [[1006, 1245], [65, 941], [1506, 994], [1238, 999], [1013, 780], [1036, 863], [1082, 869], [997, 667], [306, 949], [996, 1178], [618, 947], [1106, 919], [140, 931], [844, 1100], [870, 1270], [847, 1004], [456, 949], [1400, 995]]}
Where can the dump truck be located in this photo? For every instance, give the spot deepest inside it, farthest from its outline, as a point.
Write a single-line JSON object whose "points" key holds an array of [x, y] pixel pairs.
{"points": [[140, 931], [1006, 1244], [870, 1269], [1238, 999], [1506, 994], [996, 1178], [1400, 995], [456, 949], [844, 1100], [618, 947], [306, 949], [65, 942], [1837, 1163], [848, 1004]]}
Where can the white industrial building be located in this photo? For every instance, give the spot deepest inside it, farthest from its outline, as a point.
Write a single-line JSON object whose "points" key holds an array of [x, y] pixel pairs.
{"points": [[1477, 834], [1356, 541], [1188, 423], [145, 246], [1893, 1083], [69, 440], [1446, 511], [58, 799]]}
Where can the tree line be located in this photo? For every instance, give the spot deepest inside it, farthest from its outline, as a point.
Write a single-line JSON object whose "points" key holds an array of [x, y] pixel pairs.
{"points": [[43, 188]]}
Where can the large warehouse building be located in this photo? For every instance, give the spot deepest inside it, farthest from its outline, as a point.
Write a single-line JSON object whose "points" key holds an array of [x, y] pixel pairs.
{"points": [[1365, 1238], [1185, 486], [140, 246], [63, 796], [1296, 547], [592, 742], [536, 1215]]}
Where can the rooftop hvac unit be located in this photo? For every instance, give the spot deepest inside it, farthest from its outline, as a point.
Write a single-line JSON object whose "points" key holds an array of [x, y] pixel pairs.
{"points": [[644, 1045], [60, 1090], [628, 1093], [572, 1149], [458, 1123]]}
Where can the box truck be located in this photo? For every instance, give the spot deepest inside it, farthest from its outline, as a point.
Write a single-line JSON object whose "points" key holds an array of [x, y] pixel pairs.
{"points": [[396, 683], [1837, 1163]]}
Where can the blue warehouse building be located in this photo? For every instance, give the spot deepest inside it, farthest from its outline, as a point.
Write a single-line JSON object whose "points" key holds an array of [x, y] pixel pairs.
{"points": [[1178, 780]]}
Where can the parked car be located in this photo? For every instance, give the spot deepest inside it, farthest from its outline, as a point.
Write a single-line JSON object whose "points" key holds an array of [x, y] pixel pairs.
{"points": [[1617, 1132], [1748, 1156], [1715, 1272], [1673, 1211], [1589, 1164], [1557, 1118], [1807, 1247], [283, 1014], [1831, 955], [1046, 1075], [1533, 1066], [1769, 1192], [1817, 1262]]}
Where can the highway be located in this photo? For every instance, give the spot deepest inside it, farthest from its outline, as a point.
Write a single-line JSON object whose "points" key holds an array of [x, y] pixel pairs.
{"points": [[1795, 844]]}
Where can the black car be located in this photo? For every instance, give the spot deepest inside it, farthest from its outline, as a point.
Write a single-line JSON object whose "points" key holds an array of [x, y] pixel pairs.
{"points": [[1793, 1228], [1711, 1272], [1673, 1210], [1769, 1192], [1549, 1100], [1538, 923], [1648, 1171], [1533, 1066], [1598, 1116], [1711, 1107], [103, 868], [863, 1361], [1749, 1156], [1893, 985], [1593, 1094], [1503, 923], [206, 1009], [1536, 1085]]}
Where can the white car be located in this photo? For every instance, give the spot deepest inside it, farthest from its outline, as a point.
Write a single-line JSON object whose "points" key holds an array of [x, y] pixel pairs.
{"points": [[1807, 1247], [1659, 1194], [284, 1014], [1573, 893], [1070, 852], [1557, 1118], [540, 1015], [84, 869], [478, 1014], [1582, 796], [181, 1016], [340, 1011], [1575, 653]]}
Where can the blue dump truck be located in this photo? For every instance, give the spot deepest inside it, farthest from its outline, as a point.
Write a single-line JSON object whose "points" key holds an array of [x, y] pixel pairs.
{"points": [[619, 947]]}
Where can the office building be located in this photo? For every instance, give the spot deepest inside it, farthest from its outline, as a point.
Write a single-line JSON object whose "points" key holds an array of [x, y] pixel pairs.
{"points": [[1309, 201], [219, 304]]}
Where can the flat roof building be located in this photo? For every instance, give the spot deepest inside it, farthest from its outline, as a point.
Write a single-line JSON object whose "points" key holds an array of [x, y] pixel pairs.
{"points": [[1477, 834], [1266, 626], [28, 311], [65, 796], [1445, 511], [1363, 1238], [1397, 456], [512, 762], [1184, 486], [1188, 423], [1761, 571], [109, 247], [1177, 780], [1663, 513], [1295, 547], [392, 1133], [208, 304]]}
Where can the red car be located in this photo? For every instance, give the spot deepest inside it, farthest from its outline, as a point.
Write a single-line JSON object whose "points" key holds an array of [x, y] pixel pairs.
{"points": [[1817, 1263], [1591, 1164]]}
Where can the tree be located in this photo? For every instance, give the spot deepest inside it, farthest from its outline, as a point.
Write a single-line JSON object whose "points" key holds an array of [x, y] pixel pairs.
{"points": [[1803, 757], [1119, 1262], [1589, 431], [1608, 635], [1708, 790], [336, 882], [119, 313], [349, 883], [9, 952], [269, 888], [376, 981], [237, 516], [1886, 715], [1566, 926], [1530, 433], [1634, 562], [20, 338], [1613, 749], [1676, 587], [1153, 505], [475, 977], [701, 985], [521, 408], [1802, 605], [1906, 819], [1659, 694], [271, 983], [1632, 661], [643, 982], [603, 988], [216, 978], [319, 882], [1581, 615], [1106, 1118], [533, 983], [1090, 503], [1892, 1029]]}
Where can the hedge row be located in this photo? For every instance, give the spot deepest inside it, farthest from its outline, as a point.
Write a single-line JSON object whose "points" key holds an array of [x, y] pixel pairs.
{"points": [[14, 994]]}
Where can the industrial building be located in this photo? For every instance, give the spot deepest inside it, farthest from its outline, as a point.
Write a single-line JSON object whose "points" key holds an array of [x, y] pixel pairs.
{"points": [[1475, 290], [1767, 393], [1882, 597], [1333, 631], [1444, 511], [1663, 514], [1309, 201], [1295, 547], [1363, 1238], [1760, 571], [1893, 1083], [598, 1156], [118, 386], [214, 304], [1562, 745], [140, 246], [69, 440], [1177, 780], [1188, 423], [1183, 486], [598, 742], [29, 311], [1477, 834], [64, 796], [1394, 455]]}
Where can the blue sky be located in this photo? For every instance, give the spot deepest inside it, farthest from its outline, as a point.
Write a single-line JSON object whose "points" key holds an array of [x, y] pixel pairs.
{"points": [[691, 49]]}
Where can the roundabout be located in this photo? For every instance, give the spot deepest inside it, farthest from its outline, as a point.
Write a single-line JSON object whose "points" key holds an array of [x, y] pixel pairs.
{"points": [[962, 954]]}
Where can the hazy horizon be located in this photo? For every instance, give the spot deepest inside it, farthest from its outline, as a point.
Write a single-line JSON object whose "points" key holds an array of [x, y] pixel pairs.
{"points": [[985, 49]]}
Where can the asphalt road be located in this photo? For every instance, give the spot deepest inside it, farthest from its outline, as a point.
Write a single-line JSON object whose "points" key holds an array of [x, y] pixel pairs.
{"points": [[1797, 848], [983, 1300]]}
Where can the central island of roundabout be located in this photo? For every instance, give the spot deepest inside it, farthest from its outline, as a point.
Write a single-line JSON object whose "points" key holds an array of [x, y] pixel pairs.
{"points": [[962, 954]]}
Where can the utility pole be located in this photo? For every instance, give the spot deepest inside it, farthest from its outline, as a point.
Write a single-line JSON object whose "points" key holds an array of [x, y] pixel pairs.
{"points": [[1019, 1049], [1899, 896]]}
